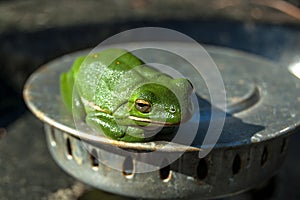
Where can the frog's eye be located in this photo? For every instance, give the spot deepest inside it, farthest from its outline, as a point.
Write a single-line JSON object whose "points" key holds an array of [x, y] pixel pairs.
{"points": [[143, 105]]}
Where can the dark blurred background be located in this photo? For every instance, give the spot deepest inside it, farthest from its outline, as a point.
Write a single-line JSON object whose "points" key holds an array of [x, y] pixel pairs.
{"points": [[33, 32]]}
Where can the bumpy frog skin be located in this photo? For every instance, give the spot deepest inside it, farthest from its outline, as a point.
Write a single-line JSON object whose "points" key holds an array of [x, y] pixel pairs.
{"points": [[125, 99]]}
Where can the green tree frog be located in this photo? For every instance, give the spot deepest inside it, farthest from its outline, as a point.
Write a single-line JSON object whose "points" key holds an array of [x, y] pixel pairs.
{"points": [[124, 98]]}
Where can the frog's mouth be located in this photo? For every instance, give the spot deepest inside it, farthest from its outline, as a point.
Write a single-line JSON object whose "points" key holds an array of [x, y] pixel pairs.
{"points": [[147, 122], [151, 121]]}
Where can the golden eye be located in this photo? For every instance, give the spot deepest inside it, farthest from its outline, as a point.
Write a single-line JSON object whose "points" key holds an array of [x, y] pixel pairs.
{"points": [[143, 105]]}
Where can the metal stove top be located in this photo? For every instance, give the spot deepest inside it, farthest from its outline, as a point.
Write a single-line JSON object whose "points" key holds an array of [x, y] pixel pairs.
{"points": [[28, 171]]}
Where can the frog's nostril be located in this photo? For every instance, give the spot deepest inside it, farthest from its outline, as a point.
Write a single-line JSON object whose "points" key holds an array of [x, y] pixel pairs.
{"points": [[172, 110]]}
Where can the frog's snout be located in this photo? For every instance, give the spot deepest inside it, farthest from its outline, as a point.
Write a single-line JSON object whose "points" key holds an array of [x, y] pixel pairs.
{"points": [[189, 111], [185, 89]]}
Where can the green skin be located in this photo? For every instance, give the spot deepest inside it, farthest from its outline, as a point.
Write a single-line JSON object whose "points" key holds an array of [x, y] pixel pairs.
{"points": [[123, 98]]}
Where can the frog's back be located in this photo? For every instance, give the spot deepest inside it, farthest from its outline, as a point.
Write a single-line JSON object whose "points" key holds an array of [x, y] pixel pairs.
{"points": [[107, 78], [118, 80]]}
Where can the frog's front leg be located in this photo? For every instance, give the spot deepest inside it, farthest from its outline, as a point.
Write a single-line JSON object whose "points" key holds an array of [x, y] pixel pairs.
{"points": [[105, 123], [134, 134]]}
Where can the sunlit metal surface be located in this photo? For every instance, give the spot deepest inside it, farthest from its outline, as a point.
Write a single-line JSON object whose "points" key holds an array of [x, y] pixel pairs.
{"points": [[295, 69]]}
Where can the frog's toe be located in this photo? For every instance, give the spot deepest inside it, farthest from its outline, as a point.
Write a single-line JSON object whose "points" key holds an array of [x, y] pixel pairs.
{"points": [[129, 138], [134, 134]]}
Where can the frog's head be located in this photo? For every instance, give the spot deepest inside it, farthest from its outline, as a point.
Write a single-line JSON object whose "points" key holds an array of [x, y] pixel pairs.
{"points": [[160, 105]]}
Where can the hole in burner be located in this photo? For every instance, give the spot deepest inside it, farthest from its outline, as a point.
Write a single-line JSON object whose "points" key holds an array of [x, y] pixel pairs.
{"points": [[264, 156], [202, 169], [283, 146], [52, 136], [94, 159], [69, 149], [128, 167], [165, 172], [236, 164]]}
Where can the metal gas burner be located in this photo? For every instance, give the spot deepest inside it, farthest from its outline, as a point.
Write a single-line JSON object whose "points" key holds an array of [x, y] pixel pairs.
{"points": [[263, 110]]}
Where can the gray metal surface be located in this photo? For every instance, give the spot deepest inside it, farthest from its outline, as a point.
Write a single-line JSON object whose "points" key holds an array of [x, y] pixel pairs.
{"points": [[250, 150]]}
